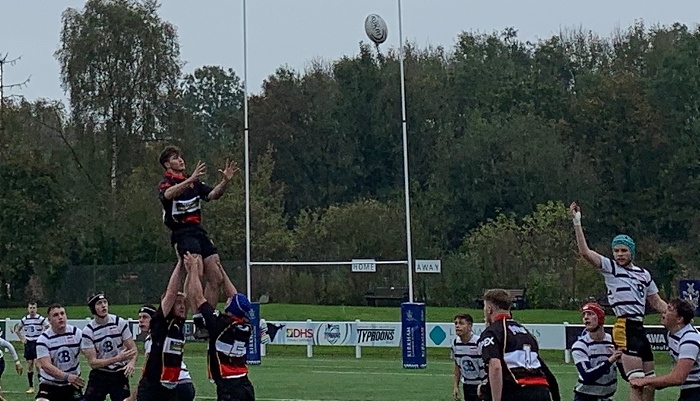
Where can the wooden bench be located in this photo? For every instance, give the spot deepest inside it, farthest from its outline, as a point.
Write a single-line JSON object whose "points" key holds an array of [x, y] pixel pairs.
{"points": [[517, 295], [387, 296]]}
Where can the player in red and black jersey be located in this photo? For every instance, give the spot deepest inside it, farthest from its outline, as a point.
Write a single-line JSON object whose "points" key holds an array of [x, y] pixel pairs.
{"points": [[229, 334], [514, 369], [162, 373], [181, 197]]}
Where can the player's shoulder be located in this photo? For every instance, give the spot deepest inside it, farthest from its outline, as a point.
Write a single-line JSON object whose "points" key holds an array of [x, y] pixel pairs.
{"points": [[690, 334]]}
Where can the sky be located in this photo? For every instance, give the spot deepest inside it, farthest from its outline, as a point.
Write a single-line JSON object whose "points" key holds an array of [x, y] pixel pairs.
{"points": [[294, 32]]}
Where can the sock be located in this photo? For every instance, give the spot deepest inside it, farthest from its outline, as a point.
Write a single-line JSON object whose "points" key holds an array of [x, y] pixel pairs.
{"points": [[30, 377], [198, 320]]}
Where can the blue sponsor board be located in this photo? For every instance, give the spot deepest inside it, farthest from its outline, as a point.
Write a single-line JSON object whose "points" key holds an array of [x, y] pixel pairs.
{"points": [[253, 356], [690, 291], [413, 335]]}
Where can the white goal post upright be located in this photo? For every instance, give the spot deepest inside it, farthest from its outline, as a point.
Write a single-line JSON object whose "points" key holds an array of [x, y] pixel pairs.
{"points": [[247, 151], [409, 251]]}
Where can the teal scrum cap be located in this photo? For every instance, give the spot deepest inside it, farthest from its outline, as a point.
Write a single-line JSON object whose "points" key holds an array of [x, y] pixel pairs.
{"points": [[625, 240]]}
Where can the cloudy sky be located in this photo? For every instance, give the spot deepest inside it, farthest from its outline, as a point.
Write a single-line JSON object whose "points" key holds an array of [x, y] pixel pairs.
{"points": [[292, 32]]}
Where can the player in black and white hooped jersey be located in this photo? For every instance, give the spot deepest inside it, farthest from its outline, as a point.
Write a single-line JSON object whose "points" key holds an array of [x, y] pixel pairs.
{"points": [[684, 347], [57, 351], [28, 330], [110, 350], [630, 288], [4, 344], [468, 369], [595, 356]]}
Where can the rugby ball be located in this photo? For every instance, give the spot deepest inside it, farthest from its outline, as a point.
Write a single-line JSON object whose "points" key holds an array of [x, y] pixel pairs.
{"points": [[375, 28]]}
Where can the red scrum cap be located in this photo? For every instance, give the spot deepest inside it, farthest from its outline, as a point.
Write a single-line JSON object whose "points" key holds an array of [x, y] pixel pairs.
{"points": [[597, 310]]}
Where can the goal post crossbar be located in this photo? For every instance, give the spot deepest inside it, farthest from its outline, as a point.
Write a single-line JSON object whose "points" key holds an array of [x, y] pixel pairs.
{"points": [[339, 263]]}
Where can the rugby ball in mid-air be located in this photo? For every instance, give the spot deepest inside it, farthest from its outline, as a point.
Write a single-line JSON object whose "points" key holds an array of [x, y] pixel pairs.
{"points": [[376, 29]]}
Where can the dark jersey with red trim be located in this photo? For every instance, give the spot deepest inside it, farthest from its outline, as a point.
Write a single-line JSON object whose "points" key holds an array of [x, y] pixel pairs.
{"points": [[518, 351], [228, 342], [165, 359], [185, 209]]}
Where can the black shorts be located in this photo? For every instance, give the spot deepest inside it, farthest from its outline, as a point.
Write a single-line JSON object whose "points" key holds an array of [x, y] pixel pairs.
{"points": [[587, 397], [101, 383], [631, 338], [150, 391], [240, 389], [690, 394], [529, 393], [470, 392], [58, 393], [193, 239], [2, 366], [30, 350]]}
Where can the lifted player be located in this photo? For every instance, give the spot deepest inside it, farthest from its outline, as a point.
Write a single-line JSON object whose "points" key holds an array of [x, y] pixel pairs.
{"points": [[229, 335], [629, 287], [181, 197]]}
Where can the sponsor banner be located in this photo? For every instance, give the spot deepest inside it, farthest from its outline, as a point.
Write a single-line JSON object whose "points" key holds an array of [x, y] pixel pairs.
{"points": [[655, 334], [334, 333], [253, 356], [549, 336], [3, 328], [413, 335], [379, 334], [690, 291]]}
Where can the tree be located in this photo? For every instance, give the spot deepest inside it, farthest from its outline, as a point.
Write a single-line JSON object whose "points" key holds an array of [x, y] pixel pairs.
{"points": [[119, 66]]}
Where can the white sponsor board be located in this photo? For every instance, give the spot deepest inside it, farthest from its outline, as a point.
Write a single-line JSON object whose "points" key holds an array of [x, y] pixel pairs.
{"points": [[364, 266], [379, 334], [428, 266], [549, 336]]}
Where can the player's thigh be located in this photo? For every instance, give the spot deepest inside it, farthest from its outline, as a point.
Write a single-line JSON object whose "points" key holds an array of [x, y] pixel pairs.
{"points": [[96, 391], [30, 351], [187, 241], [184, 392], [235, 390], [211, 268], [119, 391], [631, 365]]}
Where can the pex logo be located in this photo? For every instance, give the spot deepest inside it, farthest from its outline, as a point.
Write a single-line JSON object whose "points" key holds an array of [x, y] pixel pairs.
{"points": [[300, 333]]}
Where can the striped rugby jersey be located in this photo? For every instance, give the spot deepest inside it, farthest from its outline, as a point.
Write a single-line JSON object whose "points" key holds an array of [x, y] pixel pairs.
{"points": [[184, 373], [468, 357], [628, 288], [591, 359], [32, 326], [685, 344], [63, 349], [107, 339]]}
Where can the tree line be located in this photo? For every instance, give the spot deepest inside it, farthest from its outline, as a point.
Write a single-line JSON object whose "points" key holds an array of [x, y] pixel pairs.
{"points": [[502, 135]]}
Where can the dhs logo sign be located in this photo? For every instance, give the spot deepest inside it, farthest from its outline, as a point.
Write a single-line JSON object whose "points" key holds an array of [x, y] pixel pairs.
{"points": [[297, 333]]}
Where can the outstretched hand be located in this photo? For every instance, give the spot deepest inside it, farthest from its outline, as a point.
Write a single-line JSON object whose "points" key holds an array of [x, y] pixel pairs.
{"points": [[199, 171], [573, 208], [229, 170]]}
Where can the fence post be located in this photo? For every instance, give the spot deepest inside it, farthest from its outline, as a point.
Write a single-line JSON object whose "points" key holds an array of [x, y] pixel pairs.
{"points": [[310, 343], [358, 348], [567, 352]]}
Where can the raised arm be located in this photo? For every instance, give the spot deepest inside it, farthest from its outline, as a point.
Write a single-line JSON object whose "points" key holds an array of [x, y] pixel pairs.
{"points": [[171, 290], [171, 192], [591, 256], [229, 170], [657, 303], [193, 282], [229, 288]]}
